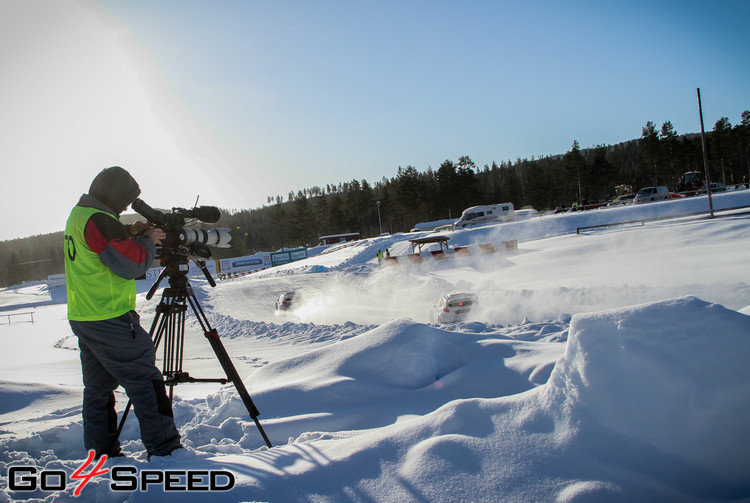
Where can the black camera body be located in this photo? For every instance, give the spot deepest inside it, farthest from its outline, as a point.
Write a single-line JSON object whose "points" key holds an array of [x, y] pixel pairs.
{"points": [[181, 241]]}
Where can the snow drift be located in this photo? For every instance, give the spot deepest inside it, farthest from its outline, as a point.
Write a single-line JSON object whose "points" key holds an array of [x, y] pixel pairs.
{"points": [[668, 379]]}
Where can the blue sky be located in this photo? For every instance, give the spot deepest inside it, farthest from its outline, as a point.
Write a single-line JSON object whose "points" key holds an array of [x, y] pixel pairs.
{"points": [[235, 101]]}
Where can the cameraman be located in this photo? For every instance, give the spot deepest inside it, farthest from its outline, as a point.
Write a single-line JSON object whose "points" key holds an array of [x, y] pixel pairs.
{"points": [[102, 259]]}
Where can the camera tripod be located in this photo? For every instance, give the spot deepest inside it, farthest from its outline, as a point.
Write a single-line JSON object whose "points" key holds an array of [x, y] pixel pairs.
{"points": [[169, 326]]}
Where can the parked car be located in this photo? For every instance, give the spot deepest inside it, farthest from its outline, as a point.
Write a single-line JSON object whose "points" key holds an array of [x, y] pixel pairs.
{"points": [[286, 301], [624, 199], [453, 307], [650, 194], [715, 187]]}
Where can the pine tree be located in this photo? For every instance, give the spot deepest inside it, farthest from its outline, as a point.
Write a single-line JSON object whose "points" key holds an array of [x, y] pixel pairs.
{"points": [[648, 156], [669, 144], [575, 165]]}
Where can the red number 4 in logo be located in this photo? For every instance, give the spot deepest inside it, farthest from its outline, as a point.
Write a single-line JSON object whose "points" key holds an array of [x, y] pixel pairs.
{"points": [[85, 478]]}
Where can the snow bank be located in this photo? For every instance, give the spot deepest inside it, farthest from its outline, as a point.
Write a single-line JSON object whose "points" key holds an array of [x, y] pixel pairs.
{"points": [[400, 355], [673, 376], [400, 368], [648, 403]]}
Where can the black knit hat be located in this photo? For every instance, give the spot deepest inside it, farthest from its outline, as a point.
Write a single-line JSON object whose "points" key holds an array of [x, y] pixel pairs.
{"points": [[115, 187]]}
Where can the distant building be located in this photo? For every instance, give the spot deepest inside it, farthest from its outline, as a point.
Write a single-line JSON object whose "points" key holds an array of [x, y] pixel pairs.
{"points": [[338, 238]]}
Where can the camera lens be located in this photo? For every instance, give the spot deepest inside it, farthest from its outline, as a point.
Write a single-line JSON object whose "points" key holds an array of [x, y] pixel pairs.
{"points": [[218, 238]]}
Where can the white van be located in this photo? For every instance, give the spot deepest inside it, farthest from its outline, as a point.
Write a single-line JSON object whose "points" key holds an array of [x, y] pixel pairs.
{"points": [[485, 214], [649, 194]]}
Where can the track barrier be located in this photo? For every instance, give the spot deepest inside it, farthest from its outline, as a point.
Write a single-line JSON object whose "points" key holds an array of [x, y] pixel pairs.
{"points": [[29, 314], [459, 251]]}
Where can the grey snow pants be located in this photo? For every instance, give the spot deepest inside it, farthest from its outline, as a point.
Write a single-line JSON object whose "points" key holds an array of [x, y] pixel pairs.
{"points": [[116, 352]]}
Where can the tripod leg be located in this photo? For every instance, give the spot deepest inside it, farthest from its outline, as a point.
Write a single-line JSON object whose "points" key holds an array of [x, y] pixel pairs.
{"points": [[156, 343], [170, 319], [232, 375], [226, 363]]}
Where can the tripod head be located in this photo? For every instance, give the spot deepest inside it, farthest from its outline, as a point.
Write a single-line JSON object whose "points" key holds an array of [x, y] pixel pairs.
{"points": [[176, 268]]}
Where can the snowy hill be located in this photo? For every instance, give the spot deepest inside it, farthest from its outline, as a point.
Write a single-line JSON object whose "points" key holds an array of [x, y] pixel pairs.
{"points": [[609, 365]]}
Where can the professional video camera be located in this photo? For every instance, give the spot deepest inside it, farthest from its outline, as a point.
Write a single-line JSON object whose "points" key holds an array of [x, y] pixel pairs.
{"points": [[181, 241]]}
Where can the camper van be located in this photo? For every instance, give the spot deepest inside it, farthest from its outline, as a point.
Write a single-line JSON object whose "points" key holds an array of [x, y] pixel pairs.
{"points": [[475, 215]]}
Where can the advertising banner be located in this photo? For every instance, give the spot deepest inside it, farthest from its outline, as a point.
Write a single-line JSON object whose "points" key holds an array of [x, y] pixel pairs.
{"points": [[280, 258], [245, 264]]}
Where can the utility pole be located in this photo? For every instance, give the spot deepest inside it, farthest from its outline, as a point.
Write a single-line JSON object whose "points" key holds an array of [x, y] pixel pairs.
{"points": [[380, 224], [705, 157]]}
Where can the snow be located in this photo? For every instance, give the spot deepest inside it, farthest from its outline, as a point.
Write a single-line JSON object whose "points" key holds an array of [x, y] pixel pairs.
{"points": [[609, 365]]}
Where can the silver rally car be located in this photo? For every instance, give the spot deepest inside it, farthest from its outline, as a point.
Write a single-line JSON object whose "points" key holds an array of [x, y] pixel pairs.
{"points": [[453, 307], [286, 301]]}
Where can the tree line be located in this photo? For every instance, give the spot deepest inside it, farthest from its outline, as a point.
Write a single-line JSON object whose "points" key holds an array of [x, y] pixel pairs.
{"points": [[659, 157]]}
